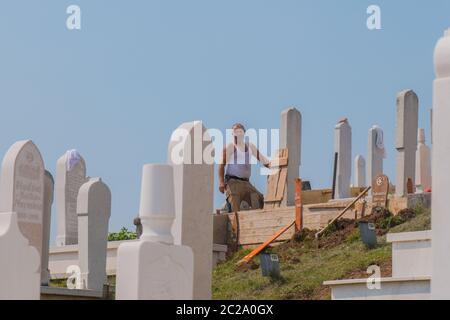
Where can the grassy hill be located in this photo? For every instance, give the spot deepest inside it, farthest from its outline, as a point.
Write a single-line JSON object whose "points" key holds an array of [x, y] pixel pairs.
{"points": [[305, 262]]}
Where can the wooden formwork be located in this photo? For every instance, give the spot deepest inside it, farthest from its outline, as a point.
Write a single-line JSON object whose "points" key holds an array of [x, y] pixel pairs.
{"points": [[253, 227]]}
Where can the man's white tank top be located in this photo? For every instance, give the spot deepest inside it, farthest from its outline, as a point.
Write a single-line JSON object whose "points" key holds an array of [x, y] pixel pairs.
{"points": [[239, 165]]}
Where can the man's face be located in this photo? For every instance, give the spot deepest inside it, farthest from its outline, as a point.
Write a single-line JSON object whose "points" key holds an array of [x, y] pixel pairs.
{"points": [[238, 132]]}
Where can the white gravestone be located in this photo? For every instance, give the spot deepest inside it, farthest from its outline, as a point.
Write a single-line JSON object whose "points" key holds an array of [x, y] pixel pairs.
{"points": [[70, 175], [20, 277], [290, 138], [440, 221], [153, 268], [22, 189], [48, 200], [360, 171], [406, 140], [376, 153], [94, 210], [423, 163], [188, 151], [343, 146]]}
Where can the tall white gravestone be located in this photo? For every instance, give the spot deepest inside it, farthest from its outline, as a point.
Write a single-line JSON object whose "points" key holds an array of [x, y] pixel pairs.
{"points": [[376, 153], [70, 175], [343, 146], [152, 268], [48, 200], [406, 140], [188, 151], [291, 138], [360, 171], [22, 189], [440, 221], [423, 163], [94, 210], [20, 277]]}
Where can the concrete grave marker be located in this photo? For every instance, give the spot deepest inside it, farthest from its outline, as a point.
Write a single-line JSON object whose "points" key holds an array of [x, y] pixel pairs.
{"points": [[22, 189], [194, 187], [376, 153], [48, 200], [343, 147], [423, 163], [70, 175], [19, 264], [291, 138], [360, 171], [406, 139], [152, 267], [94, 210]]}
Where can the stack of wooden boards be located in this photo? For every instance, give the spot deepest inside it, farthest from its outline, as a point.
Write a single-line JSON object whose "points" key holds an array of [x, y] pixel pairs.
{"points": [[276, 182]]}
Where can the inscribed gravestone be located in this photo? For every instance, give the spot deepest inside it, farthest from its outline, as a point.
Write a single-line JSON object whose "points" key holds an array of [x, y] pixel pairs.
{"points": [[70, 175], [22, 189], [380, 191]]}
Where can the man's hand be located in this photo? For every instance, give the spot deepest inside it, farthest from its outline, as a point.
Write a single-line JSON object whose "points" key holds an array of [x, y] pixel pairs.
{"points": [[222, 187]]}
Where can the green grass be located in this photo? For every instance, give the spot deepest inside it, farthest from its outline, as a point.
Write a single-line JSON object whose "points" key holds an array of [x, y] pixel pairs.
{"points": [[304, 268]]}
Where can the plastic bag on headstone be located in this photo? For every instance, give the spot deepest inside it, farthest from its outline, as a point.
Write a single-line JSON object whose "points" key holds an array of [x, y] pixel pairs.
{"points": [[73, 157]]}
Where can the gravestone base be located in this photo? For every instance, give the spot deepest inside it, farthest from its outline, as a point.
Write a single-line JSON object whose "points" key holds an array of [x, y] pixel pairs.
{"points": [[154, 271]]}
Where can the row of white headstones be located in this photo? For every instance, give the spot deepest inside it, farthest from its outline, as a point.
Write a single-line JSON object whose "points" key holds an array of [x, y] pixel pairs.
{"points": [[413, 157], [26, 196]]}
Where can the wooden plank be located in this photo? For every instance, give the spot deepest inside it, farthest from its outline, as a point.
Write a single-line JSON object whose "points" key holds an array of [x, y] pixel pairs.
{"points": [[267, 216], [298, 205], [260, 240], [272, 182], [258, 250], [246, 219], [243, 227], [260, 231], [281, 184], [344, 211], [282, 162], [276, 182]]}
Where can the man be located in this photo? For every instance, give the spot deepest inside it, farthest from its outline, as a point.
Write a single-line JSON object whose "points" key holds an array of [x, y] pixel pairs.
{"points": [[235, 183]]}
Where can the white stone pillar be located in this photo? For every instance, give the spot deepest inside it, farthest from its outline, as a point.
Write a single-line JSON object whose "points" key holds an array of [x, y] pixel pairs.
{"points": [[360, 171], [291, 138], [423, 163], [152, 268], [70, 175], [406, 140], [48, 200], [343, 146], [440, 283], [376, 153], [19, 264], [94, 210], [194, 190]]}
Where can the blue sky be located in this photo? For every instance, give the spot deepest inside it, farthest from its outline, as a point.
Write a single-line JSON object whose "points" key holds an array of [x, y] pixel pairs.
{"points": [[117, 88]]}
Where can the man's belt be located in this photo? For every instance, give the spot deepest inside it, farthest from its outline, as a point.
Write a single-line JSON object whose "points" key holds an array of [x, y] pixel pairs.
{"points": [[228, 177]]}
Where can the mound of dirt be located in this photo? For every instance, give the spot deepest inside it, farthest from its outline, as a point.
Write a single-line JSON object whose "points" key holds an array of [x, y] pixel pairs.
{"points": [[339, 231]]}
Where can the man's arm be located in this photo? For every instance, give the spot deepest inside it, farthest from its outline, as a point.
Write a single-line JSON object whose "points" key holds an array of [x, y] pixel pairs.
{"points": [[261, 158], [225, 154]]}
